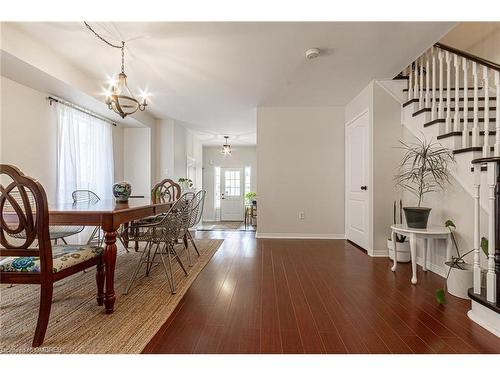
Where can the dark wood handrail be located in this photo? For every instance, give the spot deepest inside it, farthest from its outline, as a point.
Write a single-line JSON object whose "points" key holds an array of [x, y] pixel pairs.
{"points": [[479, 60]]}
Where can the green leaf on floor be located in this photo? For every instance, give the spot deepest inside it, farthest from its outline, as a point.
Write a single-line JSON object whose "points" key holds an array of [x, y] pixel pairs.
{"points": [[440, 296]]}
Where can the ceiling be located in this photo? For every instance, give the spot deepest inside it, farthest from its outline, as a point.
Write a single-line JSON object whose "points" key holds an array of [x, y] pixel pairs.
{"points": [[214, 75]]}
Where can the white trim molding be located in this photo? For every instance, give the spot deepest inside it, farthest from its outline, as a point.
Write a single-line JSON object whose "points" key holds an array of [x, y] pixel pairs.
{"points": [[301, 236], [486, 318]]}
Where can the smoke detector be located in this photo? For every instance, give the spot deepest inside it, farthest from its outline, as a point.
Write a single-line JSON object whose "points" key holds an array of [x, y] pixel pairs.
{"points": [[312, 53]]}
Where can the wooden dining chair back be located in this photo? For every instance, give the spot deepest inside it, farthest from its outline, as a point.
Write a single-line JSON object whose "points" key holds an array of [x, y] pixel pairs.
{"points": [[26, 252], [166, 191]]}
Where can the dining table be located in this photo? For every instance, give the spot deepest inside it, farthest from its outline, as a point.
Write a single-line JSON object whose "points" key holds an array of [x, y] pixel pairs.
{"points": [[108, 214]]}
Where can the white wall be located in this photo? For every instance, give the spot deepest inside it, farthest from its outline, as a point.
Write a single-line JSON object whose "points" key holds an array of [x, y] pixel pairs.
{"points": [[300, 161], [137, 160], [242, 156]]}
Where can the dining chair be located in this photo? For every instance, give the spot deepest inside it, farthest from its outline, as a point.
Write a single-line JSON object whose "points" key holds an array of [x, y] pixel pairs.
{"points": [[56, 232], [160, 236], [88, 196], [165, 191], [195, 215], [21, 262]]}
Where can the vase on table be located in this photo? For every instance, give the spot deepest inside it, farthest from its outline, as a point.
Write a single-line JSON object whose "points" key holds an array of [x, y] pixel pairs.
{"points": [[122, 191]]}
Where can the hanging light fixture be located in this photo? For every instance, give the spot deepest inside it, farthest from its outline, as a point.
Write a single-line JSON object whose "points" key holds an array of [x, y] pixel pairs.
{"points": [[119, 98], [226, 148]]}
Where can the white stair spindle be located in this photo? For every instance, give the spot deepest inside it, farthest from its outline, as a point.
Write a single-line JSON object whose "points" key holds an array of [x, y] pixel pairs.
{"points": [[410, 82], [456, 114], [497, 112], [486, 114], [475, 126], [427, 83], [448, 125], [491, 280], [477, 233], [434, 91], [415, 80], [441, 96], [465, 134], [421, 93]]}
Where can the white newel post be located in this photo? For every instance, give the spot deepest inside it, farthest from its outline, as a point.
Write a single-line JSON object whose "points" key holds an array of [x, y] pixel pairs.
{"points": [[491, 281], [475, 126], [477, 232], [486, 113], [448, 125], [465, 134], [497, 113], [456, 114], [441, 96], [434, 96], [410, 82], [427, 78]]}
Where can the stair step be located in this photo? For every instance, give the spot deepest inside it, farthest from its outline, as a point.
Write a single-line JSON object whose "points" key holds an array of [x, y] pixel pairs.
{"points": [[470, 149], [459, 133], [401, 76], [446, 89], [481, 99], [461, 109], [436, 121], [481, 298]]}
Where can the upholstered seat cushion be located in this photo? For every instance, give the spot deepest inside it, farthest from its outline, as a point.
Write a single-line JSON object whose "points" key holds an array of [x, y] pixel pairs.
{"points": [[63, 256]]}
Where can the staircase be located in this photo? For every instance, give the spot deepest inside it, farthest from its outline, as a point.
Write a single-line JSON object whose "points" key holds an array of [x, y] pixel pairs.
{"points": [[454, 97]]}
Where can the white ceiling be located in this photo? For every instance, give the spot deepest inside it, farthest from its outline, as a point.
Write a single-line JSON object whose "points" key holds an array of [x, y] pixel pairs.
{"points": [[214, 75]]}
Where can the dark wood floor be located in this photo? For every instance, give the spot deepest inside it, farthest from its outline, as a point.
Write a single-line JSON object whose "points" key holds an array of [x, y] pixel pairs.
{"points": [[323, 296]]}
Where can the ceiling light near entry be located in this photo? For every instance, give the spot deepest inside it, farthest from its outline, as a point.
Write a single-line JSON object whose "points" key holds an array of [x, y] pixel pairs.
{"points": [[226, 148], [312, 53]]}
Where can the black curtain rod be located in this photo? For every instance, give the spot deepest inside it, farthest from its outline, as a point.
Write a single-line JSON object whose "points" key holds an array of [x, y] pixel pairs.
{"points": [[81, 109]]}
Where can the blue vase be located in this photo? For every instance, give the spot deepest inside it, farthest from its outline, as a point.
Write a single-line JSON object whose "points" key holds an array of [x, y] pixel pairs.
{"points": [[122, 191]]}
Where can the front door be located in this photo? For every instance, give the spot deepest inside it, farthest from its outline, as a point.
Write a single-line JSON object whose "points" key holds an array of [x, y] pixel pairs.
{"points": [[232, 201], [357, 175]]}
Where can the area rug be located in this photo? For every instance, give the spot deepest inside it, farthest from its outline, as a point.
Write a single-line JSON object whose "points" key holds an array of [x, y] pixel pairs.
{"points": [[78, 325]]}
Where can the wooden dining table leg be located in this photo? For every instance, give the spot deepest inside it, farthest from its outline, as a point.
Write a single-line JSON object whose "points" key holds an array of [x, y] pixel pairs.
{"points": [[109, 263]]}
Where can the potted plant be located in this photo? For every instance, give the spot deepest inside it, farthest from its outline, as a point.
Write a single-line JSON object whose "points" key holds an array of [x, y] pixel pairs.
{"points": [[423, 169], [402, 243], [250, 197], [459, 278], [185, 183]]}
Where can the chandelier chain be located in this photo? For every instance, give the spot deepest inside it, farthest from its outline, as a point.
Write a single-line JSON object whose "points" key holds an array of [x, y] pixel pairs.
{"points": [[122, 47]]}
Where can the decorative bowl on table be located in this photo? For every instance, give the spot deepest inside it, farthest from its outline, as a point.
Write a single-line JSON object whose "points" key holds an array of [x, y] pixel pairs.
{"points": [[122, 191]]}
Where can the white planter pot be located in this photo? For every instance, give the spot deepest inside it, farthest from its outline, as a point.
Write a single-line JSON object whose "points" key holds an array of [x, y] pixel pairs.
{"points": [[460, 281], [403, 251]]}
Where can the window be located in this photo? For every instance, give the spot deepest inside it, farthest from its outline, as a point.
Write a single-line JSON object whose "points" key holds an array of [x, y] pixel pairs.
{"points": [[217, 187], [84, 154], [248, 181], [232, 180]]}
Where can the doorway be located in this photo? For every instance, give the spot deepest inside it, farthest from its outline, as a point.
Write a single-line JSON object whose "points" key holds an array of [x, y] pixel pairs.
{"points": [[357, 176], [232, 194]]}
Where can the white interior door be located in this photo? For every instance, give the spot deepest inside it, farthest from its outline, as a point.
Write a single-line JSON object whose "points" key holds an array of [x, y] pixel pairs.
{"points": [[357, 176], [232, 201]]}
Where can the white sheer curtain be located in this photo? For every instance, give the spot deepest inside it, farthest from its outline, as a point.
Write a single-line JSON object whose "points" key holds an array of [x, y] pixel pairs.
{"points": [[84, 154]]}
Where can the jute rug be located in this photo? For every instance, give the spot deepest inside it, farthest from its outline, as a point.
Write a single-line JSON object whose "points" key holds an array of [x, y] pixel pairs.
{"points": [[78, 325]]}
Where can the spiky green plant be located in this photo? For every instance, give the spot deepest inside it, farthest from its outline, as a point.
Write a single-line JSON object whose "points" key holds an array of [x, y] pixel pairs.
{"points": [[424, 167]]}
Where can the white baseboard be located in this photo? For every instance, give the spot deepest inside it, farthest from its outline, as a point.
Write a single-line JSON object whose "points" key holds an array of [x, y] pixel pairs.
{"points": [[486, 318], [379, 253], [301, 236], [438, 269]]}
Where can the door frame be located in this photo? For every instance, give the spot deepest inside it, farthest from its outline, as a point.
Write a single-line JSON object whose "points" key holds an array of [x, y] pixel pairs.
{"points": [[242, 190], [369, 182]]}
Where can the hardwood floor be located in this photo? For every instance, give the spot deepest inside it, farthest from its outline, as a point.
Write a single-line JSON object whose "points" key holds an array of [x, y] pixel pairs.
{"points": [[323, 296]]}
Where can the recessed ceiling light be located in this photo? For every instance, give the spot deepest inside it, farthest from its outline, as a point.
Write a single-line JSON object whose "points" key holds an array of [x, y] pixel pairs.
{"points": [[312, 53]]}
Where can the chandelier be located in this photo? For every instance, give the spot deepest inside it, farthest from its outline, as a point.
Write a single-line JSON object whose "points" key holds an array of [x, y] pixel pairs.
{"points": [[226, 148], [119, 98]]}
